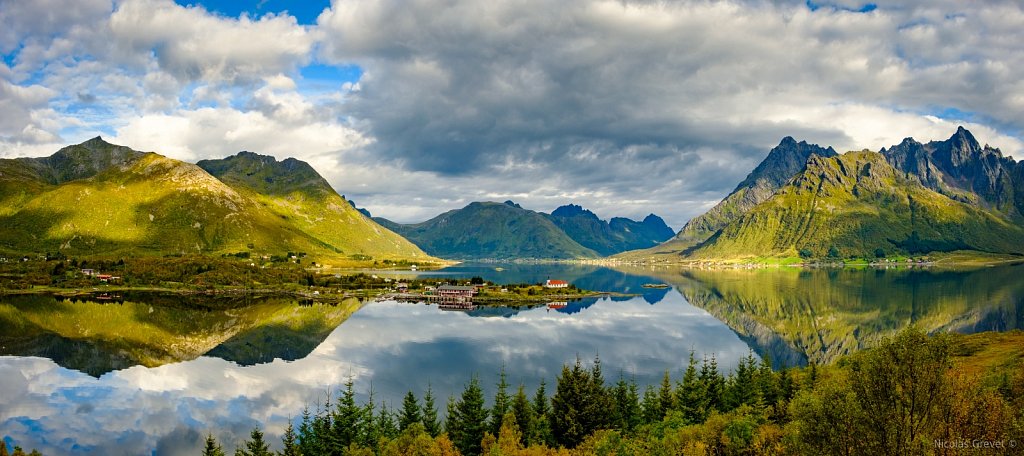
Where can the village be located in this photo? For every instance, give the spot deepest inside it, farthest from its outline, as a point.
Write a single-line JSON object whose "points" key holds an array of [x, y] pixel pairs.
{"points": [[466, 295]]}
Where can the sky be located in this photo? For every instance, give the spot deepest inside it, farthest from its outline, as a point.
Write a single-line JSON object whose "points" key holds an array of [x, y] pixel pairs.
{"points": [[415, 107]]}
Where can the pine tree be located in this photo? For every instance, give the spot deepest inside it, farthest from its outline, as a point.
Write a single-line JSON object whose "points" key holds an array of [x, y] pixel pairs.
{"points": [[386, 427], [306, 432], [524, 415], [690, 394], [651, 406], [211, 448], [568, 403], [347, 420], [599, 407], [627, 405], [430, 422], [3, 448], [322, 432], [665, 395], [787, 388], [767, 381], [501, 403], [290, 442], [741, 388], [452, 425], [255, 446], [713, 384], [542, 433], [472, 416], [410, 411], [370, 433]]}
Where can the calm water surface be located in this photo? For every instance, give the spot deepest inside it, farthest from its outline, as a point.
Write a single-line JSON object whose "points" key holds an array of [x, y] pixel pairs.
{"points": [[151, 375]]}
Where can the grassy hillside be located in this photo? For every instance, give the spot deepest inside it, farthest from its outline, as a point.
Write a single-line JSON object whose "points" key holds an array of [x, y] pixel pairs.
{"points": [[782, 163], [857, 205], [913, 198], [293, 191], [492, 230], [122, 203]]}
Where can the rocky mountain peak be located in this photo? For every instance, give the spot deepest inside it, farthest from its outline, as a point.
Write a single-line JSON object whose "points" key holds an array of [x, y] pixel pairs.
{"points": [[573, 210]]}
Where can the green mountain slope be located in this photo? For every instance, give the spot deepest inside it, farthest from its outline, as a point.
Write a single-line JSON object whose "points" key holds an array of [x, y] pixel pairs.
{"points": [[491, 230], [99, 199], [782, 163], [293, 191], [21, 178], [855, 204], [609, 237], [910, 199]]}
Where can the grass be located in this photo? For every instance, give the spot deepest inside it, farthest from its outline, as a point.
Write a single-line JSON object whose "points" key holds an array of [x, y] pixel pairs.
{"points": [[154, 206], [986, 354]]}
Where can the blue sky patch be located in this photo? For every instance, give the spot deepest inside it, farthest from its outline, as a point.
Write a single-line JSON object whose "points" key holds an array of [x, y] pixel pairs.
{"points": [[305, 11], [336, 74], [866, 8]]}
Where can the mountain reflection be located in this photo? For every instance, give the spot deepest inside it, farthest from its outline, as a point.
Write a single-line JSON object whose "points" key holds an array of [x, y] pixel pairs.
{"points": [[152, 329], [799, 315], [156, 374], [388, 347]]}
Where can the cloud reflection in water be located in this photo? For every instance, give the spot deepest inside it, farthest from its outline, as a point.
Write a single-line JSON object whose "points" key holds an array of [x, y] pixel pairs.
{"points": [[392, 346]]}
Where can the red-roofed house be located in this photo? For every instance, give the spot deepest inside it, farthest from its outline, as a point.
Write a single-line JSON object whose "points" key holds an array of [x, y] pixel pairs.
{"points": [[556, 284]]}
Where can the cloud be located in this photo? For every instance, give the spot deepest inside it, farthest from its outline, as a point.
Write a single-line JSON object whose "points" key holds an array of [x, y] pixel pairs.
{"points": [[460, 88], [29, 23], [170, 408], [193, 44], [626, 107]]}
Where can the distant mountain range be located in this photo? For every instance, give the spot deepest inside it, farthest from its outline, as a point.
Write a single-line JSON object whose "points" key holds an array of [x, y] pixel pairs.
{"points": [[506, 230], [609, 237], [912, 198], [97, 198]]}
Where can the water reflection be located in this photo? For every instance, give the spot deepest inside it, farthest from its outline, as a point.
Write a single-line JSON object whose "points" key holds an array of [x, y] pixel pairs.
{"points": [[152, 329], [796, 315], [388, 345], [77, 380]]}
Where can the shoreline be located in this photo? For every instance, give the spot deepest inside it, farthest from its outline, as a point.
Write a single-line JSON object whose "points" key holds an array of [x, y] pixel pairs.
{"points": [[376, 295]]}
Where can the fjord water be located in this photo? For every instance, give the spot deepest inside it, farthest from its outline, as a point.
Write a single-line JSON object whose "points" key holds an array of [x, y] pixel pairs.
{"points": [[156, 373]]}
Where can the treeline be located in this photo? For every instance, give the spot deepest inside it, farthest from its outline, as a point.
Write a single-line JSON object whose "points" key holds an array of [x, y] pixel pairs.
{"points": [[197, 272], [903, 397]]}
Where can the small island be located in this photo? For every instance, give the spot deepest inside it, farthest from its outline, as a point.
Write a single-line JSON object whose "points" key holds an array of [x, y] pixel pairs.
{"points": [[227, 277], [463, 294]]}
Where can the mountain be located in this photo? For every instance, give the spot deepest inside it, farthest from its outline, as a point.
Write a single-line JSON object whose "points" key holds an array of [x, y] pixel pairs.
{"points": [[963, 170], [97, 198], [360, 209], [491, 230], [782, 162], [609, 237], [910, 199], [856, 203], [293, 191]]}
